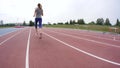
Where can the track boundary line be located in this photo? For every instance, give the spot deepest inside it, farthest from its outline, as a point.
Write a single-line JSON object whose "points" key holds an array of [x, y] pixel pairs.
{"points": [[94, 36], [9, 38], [79, 50], [9, 33], [6, 33], [100, 37], [27, 50], [107, 44]]}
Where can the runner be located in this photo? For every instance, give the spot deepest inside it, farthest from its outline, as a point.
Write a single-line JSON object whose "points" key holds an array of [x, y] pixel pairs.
{"points": [[38, 18]]}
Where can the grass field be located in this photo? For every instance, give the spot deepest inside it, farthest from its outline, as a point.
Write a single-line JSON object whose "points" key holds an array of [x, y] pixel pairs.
{"points": [[5, 26], [88, 27]]}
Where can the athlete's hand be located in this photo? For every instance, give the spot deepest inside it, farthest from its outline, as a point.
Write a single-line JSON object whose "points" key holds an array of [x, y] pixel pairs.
{"points": [[33, 15]]}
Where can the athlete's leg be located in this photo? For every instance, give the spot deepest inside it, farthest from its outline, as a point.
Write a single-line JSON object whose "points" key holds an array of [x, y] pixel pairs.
{"points": [[40, 27], [36, 20]]}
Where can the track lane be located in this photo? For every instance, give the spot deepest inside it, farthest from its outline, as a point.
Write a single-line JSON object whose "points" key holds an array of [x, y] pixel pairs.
{"points": [[92, 33], [4, 37], [12, 52], [5, 31], [97, 49], [87, 37], [102, 51], [49, 53]]}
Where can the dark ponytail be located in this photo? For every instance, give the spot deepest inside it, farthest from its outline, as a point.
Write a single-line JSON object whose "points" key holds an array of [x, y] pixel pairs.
{"points": [[40, 6]]}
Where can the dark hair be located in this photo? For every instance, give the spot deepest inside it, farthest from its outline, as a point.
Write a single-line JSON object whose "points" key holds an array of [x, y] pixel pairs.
{"points": [[40, 6]]}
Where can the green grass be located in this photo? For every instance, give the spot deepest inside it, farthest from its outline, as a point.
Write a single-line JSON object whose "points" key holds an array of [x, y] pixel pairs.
{"points": [[86, 27], [6, 26]]}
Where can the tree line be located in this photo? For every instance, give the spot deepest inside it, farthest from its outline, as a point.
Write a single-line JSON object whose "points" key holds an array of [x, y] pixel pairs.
{"points": [[99, 21]]}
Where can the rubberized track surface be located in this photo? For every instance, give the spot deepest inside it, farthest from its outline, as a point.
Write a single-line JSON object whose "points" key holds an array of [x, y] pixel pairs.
{"points": [[59, 48]]}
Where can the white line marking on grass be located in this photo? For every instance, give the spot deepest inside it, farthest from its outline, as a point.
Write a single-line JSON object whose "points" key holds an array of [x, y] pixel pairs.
{"points": [[107, 44], [27, 51], [79, 50]]}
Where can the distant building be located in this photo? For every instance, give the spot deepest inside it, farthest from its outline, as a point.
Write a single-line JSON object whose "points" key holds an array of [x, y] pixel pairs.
{"points": [[1, 22]]}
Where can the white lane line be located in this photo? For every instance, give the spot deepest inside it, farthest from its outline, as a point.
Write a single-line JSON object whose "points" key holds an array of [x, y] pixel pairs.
{"points": [[99, 37], [79, 50], [107, 44], [27, 51], [8, 38], [9, 32], [12, 32], [92, 35]]}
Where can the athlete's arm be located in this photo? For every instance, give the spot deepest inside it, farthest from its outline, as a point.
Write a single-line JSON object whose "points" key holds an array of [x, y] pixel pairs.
{"points": [[34, 14], [42, 12]]}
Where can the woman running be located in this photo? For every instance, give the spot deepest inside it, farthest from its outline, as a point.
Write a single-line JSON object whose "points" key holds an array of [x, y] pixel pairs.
{"points": [[38, 18]]}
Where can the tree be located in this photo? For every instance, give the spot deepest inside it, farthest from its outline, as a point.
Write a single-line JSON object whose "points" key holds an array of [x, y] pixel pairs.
{"points": [[66, 23], [31, 23], [54, 23], [92, 23], [107, 22], [71, 22], [74, 22], [24, 23], [60, 23], [117, 23], [49, 23], [100, 21], [80, 21]]}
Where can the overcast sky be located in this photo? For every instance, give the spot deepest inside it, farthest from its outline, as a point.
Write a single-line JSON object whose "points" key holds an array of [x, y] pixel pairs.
{"points": [[60, 10]]}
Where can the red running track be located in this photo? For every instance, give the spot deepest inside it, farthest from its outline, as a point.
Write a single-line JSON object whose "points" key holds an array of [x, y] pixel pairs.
{"points": [[58, 48]]}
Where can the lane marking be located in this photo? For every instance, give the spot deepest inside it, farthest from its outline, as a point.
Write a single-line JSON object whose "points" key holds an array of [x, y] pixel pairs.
{"points": [[92, 35], [10, 32], [14, 31], [6, 33], [99, 37], [9, 38], [79, 50], [107, 44], [27, 51], [110, 36]]}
